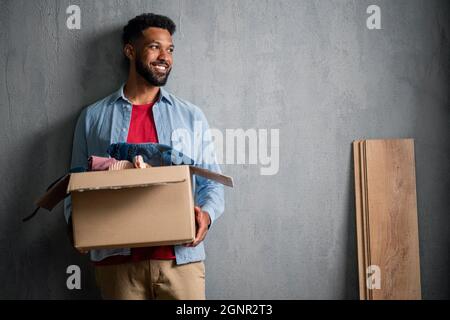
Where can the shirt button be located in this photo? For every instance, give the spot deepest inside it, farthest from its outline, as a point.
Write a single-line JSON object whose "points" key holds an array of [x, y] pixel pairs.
{"points": [[123, 129]]}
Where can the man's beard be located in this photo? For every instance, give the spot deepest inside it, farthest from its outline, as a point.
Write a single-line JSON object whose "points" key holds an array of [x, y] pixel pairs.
{"points": [[148, 74]]}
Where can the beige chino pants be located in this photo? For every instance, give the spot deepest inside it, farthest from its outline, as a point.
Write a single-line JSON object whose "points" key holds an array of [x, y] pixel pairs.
{"points": [[152, 279]]}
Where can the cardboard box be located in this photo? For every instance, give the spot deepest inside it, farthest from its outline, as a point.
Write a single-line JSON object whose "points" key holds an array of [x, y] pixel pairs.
{"points": [[131, 208]]}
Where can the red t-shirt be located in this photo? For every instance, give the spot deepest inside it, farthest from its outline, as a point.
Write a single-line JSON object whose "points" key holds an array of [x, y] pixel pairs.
{"points": [[142, 130]]}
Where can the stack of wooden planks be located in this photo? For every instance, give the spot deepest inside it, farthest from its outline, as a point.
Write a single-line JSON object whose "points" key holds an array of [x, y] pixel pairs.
{"points": [[386, 219]]}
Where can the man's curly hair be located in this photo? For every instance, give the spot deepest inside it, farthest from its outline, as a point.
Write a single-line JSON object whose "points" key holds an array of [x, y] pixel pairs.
{"points": [[133, 30]]}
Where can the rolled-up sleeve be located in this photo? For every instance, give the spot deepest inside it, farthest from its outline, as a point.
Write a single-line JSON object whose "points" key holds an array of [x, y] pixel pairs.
{"points": [[209, 194]]}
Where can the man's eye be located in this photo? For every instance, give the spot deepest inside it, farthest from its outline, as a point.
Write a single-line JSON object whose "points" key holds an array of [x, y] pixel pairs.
{"points": [[170, 50], [153, 46]]}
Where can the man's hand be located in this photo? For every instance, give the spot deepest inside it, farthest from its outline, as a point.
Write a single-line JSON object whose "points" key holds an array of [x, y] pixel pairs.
{"points": [[202, 222]]}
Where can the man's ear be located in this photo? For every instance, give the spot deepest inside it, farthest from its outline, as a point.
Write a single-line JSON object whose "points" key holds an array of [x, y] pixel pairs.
{"points": [[128, 51]]}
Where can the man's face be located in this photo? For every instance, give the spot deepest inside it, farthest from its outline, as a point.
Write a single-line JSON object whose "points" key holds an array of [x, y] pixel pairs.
{"points": [[154, 56]]}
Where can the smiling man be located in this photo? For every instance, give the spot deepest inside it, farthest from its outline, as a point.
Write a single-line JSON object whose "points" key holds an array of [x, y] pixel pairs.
{"points": [[142, 112]]}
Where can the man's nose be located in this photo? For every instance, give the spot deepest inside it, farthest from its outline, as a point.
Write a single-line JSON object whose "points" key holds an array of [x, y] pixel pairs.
{"points": [[164, 55]]}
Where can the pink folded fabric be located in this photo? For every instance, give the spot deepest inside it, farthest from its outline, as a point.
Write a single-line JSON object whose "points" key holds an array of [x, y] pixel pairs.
{"points": [[120, 165], [100, 163]]}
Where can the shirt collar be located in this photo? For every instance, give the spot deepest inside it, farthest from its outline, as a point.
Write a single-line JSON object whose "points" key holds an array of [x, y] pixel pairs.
{"points": [[163, 94]]}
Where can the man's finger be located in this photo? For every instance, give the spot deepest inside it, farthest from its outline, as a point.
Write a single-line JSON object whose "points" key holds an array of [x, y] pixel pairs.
{"points": [[202, 228], [200, 235], [198, 213]]}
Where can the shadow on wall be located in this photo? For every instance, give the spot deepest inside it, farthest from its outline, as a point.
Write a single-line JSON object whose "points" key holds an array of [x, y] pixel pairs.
{"points": [[39, 251], [105, 67]]}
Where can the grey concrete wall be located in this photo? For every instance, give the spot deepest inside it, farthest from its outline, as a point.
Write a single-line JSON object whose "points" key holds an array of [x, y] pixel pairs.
{"points": [[309, 68]]}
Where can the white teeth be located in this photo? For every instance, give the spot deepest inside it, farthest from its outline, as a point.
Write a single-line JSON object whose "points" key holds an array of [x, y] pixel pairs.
{"points": [[161, 68]]}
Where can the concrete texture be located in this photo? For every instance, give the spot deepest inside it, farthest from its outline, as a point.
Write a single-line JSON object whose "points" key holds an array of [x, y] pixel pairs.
{"points": [[309, 68]]}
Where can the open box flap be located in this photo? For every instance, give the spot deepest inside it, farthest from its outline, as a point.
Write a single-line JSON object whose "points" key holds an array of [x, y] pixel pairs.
{"points": [[55, 194], [225, 180], [98, 180], [112, 179]]}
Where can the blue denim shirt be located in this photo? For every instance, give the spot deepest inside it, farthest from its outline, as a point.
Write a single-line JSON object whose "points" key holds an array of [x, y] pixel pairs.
{"points": [[179, 124]]}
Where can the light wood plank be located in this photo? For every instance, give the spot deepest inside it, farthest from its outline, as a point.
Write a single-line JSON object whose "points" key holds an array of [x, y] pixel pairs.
{"points": [[392, 217]]}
